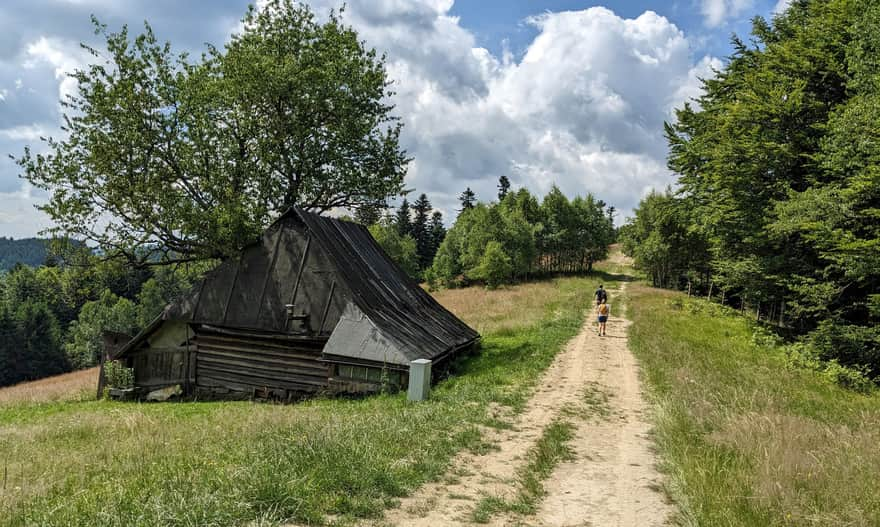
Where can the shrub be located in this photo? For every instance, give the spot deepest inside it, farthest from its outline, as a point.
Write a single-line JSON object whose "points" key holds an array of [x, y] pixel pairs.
{"points": [[495, 266], [117, 375]]}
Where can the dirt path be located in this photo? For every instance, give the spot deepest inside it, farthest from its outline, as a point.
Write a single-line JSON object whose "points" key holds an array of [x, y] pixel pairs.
{"points": [[612, 480]]}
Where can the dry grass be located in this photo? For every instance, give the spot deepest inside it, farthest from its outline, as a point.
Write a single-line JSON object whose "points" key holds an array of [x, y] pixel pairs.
{"points": [[238, 463], [74, 386], [747, 438], [501, 310]]}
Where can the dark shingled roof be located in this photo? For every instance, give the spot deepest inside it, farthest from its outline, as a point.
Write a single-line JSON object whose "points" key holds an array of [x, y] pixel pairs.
{"points": [[416, 325], [399, 307]]}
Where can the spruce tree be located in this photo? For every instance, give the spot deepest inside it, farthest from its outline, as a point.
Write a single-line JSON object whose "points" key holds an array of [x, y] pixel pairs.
{"points": [[403, 219], [41, 342], [10, 346], [468, 199], [437, 231], [422, 208], [370, 213], [503, 188]]}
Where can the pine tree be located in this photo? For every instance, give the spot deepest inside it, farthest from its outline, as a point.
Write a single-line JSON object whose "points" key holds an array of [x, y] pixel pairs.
{"points": [[403, 220], [42, 352], [10, 345], [503, 188], [437, 231], [420, 231], [468, 199]]}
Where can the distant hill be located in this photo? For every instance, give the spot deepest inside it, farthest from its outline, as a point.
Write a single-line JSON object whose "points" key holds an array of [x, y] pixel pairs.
{"points": [[28, 251]]}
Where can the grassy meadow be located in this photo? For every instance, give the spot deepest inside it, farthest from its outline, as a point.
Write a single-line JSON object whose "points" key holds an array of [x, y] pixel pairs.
{"points": [[242, 463], [746, 438], [74, 386]]}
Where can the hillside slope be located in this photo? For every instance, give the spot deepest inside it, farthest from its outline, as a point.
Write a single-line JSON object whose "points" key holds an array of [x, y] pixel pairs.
{"points": [[748, 437]]}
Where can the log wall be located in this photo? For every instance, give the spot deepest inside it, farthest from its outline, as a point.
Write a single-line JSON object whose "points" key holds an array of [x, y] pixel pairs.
{"points": [[273, 367]]}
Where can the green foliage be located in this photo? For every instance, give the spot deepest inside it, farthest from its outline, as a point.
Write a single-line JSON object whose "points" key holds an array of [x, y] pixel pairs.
{"points": [[400, 248], [426, 231], [556, 236], [403, 218], [9, 348], [468, 199], [171, 159], [30, 343], [495, 266], [662, 242], [778, 172], [236, 463], [117, 375], [108, 313], [503, 187], [103, 295]]}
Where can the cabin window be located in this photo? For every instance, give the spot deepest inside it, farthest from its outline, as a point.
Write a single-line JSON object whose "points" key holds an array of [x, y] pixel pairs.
{"points": [[367, 374]]}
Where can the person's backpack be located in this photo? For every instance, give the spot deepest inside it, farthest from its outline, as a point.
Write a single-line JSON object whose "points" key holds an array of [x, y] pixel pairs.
{"points": [[601, 295], [603, 309]]}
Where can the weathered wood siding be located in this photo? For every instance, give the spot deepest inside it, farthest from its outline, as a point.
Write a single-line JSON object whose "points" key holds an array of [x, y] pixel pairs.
{"points": [[249, 364], [162, 360], [159, 367]]}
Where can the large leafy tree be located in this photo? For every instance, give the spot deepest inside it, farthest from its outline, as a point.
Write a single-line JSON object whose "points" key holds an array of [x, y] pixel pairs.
{"points": [[167, 158], [778, 166], [525, 237], [401, 248], [663, 242]]}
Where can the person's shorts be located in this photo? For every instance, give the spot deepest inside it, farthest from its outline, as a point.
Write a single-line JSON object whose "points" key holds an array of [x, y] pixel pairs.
{"points": [[603, 319]]}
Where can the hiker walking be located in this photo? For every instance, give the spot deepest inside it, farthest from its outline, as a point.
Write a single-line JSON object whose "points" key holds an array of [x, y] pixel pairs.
{"points": [[602, 309], [601, 295]]}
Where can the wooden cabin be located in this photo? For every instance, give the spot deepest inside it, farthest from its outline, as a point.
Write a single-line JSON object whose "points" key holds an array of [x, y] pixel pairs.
{"points": [[315, 306]]}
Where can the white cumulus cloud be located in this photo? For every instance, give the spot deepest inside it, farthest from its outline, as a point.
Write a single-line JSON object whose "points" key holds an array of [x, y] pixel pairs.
{"points": [[715, 12], [64, 57], [583, 108]]}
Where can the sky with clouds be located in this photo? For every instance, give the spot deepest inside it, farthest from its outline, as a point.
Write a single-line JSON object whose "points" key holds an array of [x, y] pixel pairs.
{"points": [[564, 92]]}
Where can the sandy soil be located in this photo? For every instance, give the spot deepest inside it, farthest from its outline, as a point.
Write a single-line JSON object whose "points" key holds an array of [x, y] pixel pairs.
{"points": [[612, 481]]}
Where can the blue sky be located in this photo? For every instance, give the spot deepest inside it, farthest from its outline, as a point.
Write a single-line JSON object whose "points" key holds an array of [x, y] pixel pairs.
{"points": [[561, 92], [495, 20]]}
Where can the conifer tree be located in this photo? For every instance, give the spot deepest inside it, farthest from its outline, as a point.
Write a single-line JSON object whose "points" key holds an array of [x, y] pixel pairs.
{"points": [[468, 199], [10, 346], [503, 188], [403, 220], [419, 230], [370, 213], [41, 354], [437, 231]]}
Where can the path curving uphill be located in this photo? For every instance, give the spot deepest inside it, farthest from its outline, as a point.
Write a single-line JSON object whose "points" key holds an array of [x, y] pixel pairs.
{"points": [[612, 479]]}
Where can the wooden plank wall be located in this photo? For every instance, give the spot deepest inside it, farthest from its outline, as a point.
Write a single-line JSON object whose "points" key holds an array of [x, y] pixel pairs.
{"points": [[250, 365], [158, 367]]}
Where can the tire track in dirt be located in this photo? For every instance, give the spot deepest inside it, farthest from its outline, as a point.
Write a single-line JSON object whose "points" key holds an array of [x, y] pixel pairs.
{"points": [[612, 480], [450, 501]]}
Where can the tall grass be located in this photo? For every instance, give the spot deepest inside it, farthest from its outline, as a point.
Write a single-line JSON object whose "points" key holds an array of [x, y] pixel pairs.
{"points": [[747, 438], [237, 463], [74, 386]]}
